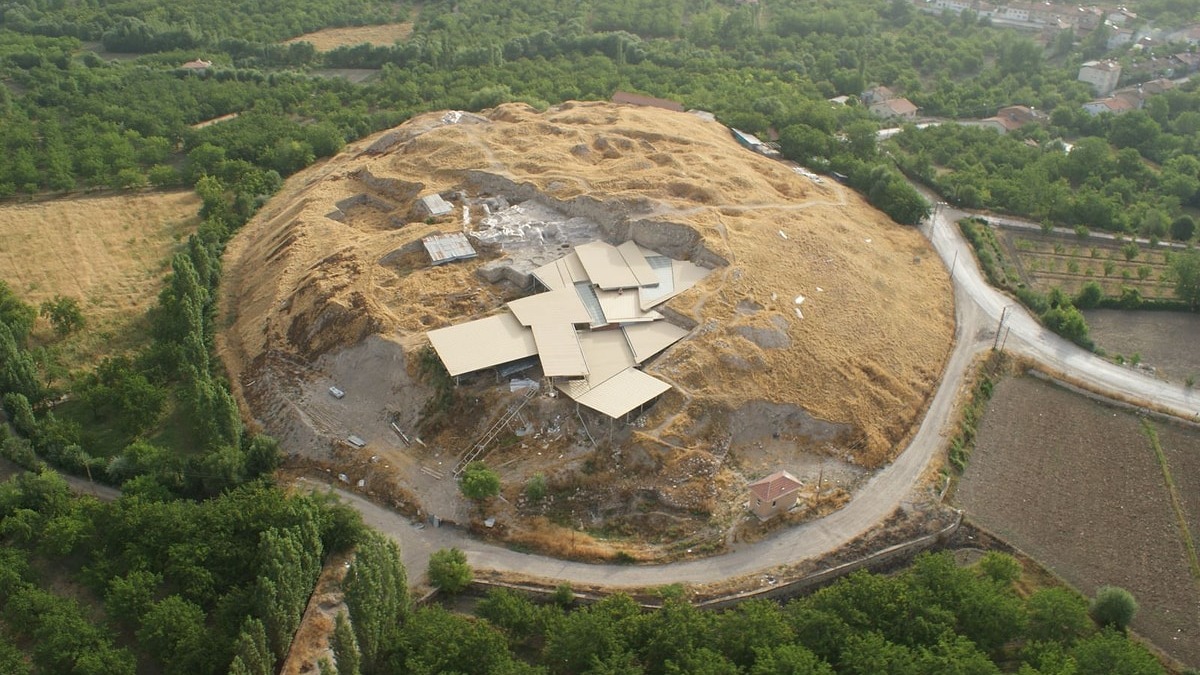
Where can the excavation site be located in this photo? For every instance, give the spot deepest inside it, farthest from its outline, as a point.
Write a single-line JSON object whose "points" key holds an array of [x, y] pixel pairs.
{"points": [[663, 340]]}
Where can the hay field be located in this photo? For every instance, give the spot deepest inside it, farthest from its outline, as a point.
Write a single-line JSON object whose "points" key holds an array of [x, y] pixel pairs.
{"points": [[876, 324], [328, 39], [110, 252]]}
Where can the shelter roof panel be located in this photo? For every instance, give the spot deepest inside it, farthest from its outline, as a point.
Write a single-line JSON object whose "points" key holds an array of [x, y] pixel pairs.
{"points": [[623, 392], [607, 353], [605, 266], [623, 307], [648, 339], [649, 296], [557, 306], [558, 347], [482, 343], [636, 262], [561, 273]]}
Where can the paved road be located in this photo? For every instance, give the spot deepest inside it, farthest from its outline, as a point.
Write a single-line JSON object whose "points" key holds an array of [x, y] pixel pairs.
{"points": [[1028, 338]]}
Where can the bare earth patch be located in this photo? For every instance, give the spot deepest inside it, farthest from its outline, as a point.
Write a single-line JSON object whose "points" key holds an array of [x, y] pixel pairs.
{"points": [[1165, 341], [1076, 485], [110, 252], [328, 39]]}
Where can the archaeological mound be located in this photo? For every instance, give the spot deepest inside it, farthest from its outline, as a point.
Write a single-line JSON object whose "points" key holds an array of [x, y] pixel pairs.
{"points": [[626, 313]]}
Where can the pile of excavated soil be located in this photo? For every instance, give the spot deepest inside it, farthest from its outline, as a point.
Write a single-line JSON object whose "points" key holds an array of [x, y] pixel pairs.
{"points": [[818, 300]]}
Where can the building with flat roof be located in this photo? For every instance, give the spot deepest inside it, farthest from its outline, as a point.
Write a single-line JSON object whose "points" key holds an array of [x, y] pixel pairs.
{"points": [[1102, 75]]}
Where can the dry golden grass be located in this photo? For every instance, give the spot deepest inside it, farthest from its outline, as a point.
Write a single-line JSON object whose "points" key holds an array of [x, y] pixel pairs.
{"points": [[877, 320], [328, 39], [109, 252]]}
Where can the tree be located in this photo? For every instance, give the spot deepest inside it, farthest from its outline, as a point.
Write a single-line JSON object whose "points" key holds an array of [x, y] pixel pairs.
{"points": [[15, 314], [1183, 228], [64, 314], [1184, 272], [251, 651], [1111, 652], [18, 374], [345, 647], [1089, 295], [788, 659], [449, 571], [479, 482], [173, 632], [1057, 615], [377, 595], [1113, 607]]}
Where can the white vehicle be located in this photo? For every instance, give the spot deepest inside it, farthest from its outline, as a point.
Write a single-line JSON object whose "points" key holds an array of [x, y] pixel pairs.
{"points": [[336, 393], [357, 442]]}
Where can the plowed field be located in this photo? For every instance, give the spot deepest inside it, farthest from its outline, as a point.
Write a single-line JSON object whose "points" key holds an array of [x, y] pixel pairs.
{"points": [[1078, 486]]}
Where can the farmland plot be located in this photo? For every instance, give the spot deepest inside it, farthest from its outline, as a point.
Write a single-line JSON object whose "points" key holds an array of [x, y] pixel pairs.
{"points": [[1078, 486], [1164, 340], [1046, 261]]}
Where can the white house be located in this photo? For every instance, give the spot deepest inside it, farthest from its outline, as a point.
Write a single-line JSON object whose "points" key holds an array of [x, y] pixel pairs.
{"points": [[1102, 75]]}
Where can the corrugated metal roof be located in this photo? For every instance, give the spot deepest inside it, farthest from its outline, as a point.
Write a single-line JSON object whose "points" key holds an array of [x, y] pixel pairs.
{"points": [[636, 262], [623, 392], [434, 205], [647, 339], [482, 343], [561, 273], [444, 248], [558, 347], [605, 267], [558, 306], [623, 306]]}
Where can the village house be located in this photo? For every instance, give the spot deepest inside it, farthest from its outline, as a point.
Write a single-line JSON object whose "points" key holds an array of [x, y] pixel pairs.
{"points": [[1116, 105], [774, 494], [896, 107], [1102, 75], [197, 66], [1011, 118]]}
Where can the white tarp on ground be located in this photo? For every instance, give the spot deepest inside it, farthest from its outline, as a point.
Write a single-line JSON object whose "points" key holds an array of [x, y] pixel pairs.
{"points": [[483, 343]]}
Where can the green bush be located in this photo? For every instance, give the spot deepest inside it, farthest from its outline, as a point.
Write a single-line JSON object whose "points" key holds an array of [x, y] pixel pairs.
{"points": [[1113, 607], [449, 571], [479, 482]]}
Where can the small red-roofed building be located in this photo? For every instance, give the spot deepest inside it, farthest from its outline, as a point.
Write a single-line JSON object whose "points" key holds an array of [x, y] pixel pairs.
{"points": [[774, 494]]}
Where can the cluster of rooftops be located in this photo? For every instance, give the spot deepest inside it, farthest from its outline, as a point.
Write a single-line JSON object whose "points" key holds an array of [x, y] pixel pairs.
{"points": [[592, 325]]}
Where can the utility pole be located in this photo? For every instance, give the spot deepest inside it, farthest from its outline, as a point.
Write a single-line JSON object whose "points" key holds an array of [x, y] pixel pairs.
{"points": [[1000, 328]]}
